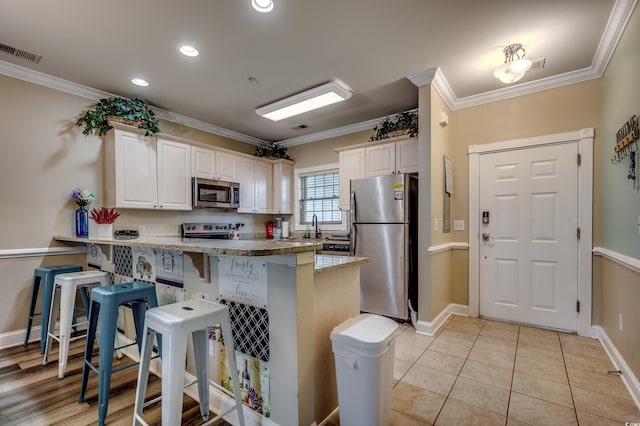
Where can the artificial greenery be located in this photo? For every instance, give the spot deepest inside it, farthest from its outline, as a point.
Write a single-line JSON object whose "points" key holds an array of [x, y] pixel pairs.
{"points": [[272, 150], [130, 110], [398, 122]]}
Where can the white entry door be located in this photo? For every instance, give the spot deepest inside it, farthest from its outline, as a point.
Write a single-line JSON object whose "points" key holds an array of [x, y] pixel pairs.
{"points": [[529, 247]]}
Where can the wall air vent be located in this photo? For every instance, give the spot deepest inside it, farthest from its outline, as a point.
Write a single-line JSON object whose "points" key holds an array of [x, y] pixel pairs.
{"points": [[23, 54], [538, 64]]}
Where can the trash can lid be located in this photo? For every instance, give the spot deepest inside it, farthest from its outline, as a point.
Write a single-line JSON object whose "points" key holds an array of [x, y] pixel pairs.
{"points": [[365, 331]]}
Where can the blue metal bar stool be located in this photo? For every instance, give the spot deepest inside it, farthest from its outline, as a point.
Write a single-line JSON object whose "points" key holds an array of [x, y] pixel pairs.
{"points": [[175, 322], [104, 304], [45, 276]]}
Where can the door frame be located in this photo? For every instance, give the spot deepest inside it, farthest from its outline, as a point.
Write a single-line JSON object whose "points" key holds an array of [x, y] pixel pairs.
{"points": [[584, 138]]}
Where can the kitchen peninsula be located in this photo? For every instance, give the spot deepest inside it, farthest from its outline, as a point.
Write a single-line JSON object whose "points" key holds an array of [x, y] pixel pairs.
{"points": [[283, 299]]}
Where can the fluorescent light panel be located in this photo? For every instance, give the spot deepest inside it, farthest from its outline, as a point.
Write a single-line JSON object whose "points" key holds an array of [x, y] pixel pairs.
{"points": [[315, 98]]}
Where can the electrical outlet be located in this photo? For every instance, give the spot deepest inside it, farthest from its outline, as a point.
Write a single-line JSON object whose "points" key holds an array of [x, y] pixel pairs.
{"points": [[458, 225], [620, 323], [141, 230]]}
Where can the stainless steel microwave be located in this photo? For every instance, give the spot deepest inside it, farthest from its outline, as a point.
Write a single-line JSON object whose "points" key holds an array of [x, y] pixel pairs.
{"points": [[218, 194]]}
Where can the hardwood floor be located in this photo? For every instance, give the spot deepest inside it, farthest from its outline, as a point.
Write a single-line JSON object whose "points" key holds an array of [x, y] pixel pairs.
{"points": [[32, 394]]}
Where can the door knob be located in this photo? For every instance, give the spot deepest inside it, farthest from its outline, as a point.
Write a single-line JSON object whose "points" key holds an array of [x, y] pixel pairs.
{"points": [[485, 236]]}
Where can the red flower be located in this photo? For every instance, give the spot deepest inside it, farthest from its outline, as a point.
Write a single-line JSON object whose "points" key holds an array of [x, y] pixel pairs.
{"points": [[104, 215]]}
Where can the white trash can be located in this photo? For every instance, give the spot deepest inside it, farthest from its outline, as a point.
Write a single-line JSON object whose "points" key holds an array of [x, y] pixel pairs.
{"points": [[364, 348]]}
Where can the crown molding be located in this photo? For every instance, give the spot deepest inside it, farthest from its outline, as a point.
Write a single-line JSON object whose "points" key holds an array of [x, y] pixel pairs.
{"points": [[620, 15], [206, 127], [339, 131], [46, 80]]}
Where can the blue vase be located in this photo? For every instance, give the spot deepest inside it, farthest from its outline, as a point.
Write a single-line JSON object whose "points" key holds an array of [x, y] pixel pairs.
{"points": [[82, 222]]}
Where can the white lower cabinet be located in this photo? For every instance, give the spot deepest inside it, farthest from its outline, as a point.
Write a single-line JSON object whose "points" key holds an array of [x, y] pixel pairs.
{"points": [[256, 186], [142, 172]]}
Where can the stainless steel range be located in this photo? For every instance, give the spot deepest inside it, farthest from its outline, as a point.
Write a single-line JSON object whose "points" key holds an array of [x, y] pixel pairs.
{"points": [[218, 231]]}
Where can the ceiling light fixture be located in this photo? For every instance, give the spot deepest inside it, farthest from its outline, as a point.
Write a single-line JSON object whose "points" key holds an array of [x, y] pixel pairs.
{"points": [[263, 6], [140, 82], [308, 100], [515, 66], [187, 50]]}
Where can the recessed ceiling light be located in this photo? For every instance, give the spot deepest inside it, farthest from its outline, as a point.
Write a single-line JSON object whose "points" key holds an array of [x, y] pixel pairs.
{"points": [[140, 82], [187, 50], [263, 6]]}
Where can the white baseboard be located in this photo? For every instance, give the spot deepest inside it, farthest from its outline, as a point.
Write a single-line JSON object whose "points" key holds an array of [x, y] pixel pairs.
{"points": [[629, 379], [430, 328], [15, 338]]}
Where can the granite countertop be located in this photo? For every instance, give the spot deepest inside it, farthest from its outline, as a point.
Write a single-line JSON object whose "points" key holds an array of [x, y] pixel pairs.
{"points": [[197, 245], [326, 263]]}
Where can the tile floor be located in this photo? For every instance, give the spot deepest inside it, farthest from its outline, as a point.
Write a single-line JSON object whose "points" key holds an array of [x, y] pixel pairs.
{"points": [[480, 372]]}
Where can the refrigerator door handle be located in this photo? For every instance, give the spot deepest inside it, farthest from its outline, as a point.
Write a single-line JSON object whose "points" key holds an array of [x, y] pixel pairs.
{"points": [[352, 211]]}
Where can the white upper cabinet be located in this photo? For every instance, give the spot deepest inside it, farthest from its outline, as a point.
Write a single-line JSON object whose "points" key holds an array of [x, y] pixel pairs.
{"points": [[407, 156], [380, 160], [174, 175], [263, 186], [142, 172], [203, 162], [214, 164], [256, 185], [227, 166], [283, 187], [154, 172], [352, 166], [375, 159]]}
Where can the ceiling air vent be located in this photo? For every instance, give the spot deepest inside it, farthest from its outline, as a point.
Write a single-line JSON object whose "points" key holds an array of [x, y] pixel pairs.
{"points": [[538, 64], [23, 54]]}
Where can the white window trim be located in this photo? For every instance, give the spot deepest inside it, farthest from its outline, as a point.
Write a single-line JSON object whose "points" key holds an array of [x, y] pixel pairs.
{"points": [[296, 178]]}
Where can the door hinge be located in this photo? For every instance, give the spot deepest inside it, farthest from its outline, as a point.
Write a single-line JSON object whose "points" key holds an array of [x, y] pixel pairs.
{"points": [[579, 159], [578, 233], [578, 306]]}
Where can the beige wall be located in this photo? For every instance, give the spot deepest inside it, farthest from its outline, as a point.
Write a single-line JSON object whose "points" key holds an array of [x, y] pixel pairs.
{"points": [[620, 287], [441, 280], [322, 152], [44, 156], [552, 111]]}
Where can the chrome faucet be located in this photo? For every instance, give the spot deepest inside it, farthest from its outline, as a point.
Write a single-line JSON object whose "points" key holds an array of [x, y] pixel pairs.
{"points": [[314, 223]]}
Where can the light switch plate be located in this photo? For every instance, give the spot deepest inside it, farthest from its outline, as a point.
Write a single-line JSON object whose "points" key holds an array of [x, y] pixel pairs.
{"points": [[435, 224], [458, 225]]}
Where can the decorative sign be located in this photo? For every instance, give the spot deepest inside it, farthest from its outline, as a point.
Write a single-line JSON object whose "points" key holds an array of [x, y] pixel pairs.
{"points": [[243, 279], [448, 176], [144, 261], [627, 146], [169, 267]]}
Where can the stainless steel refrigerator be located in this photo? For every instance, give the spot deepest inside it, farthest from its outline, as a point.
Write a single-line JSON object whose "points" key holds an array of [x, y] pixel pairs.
{"points": [[384, 229]]}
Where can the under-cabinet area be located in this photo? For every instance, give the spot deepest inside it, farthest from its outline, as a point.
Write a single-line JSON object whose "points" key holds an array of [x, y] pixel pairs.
{"points": [[155, 172]]}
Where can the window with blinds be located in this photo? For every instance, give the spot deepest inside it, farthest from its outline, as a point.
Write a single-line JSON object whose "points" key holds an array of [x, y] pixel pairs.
{"points": [[319, 195]]}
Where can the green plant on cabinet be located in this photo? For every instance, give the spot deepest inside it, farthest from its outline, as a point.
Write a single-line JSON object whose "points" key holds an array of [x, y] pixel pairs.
{"points": [[395, 125], [128, 111]]}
